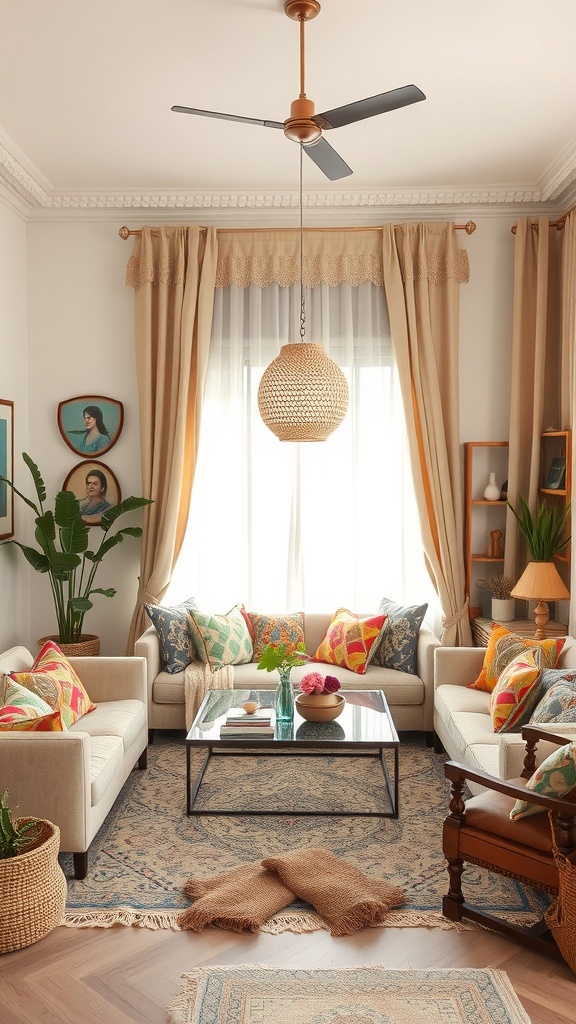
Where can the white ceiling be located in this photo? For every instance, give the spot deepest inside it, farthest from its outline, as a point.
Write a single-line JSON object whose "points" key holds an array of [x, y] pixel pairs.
{"points": [[86, 89]]}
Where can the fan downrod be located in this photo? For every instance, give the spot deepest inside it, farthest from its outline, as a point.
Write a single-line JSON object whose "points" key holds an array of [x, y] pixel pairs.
{"points": [[302, 10]]}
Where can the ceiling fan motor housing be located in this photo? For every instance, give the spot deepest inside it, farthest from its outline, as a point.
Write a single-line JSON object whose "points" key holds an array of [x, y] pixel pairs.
{"points": [[299, 126]]}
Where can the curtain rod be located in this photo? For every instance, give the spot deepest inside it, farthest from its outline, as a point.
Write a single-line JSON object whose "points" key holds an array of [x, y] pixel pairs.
{"points": [[469, 228], [553, 223]]}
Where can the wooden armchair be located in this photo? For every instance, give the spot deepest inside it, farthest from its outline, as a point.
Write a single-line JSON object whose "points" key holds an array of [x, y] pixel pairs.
{"points": [[479, 831]]}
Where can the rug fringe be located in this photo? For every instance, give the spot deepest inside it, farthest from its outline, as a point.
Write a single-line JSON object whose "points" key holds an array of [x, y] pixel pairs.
{"points": [[153, 919]]}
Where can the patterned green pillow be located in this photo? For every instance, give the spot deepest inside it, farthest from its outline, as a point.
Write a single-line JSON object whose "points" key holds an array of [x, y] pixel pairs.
{"points": [[556, 776], [399, 644], [176, 645], [221, 639]]}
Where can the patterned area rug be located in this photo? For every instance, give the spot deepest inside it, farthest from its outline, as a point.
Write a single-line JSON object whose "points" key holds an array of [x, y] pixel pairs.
{"points": [[252, 994], [148, 847]]}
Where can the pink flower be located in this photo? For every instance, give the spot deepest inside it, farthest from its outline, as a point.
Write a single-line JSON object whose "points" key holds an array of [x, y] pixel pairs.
{"points": [[331, 684], [312, 683]]}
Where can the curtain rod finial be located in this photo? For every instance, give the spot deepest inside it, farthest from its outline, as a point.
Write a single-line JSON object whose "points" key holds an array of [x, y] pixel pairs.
{"points": [[124, 232]]}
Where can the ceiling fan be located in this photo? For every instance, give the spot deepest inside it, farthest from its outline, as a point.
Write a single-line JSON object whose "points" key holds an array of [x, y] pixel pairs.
{"points": [[307, 127]]}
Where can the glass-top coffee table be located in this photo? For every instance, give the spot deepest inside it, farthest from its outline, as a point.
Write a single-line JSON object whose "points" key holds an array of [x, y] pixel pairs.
{"points": [[364, 729]]}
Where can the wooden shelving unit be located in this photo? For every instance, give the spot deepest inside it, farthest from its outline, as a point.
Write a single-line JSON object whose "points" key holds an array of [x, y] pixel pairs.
{"points": [[556, 444], [482, 516]]}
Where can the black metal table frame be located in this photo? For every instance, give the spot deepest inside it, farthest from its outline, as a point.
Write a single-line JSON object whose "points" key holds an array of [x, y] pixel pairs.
{"points": [[316, 748]]}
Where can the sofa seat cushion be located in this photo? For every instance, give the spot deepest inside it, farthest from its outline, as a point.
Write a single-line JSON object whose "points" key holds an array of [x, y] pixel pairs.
{"points": [[169, 689], [449, 699], [484, 756], [122, 718], [106, 756]]}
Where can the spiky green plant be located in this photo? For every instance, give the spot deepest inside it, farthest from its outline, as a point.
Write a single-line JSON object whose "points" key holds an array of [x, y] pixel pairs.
{"points": [[544, 534], [63, 552], [15, 836]]}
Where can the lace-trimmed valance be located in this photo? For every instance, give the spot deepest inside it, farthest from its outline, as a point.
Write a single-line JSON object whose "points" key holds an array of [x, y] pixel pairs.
{"points": [[273, 257]]}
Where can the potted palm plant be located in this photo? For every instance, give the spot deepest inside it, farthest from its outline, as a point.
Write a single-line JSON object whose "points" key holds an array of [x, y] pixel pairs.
{"points": [[64, 554], [32, 882]]}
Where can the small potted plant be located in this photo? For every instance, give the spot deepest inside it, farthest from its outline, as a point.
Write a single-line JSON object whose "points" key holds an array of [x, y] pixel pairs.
{"points": [[503, 604], [63, 553], [319, 700], [32, 882], [545, 533]]}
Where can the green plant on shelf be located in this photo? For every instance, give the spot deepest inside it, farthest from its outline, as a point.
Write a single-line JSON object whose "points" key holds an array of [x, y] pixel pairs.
{"points": [[544, 533]]}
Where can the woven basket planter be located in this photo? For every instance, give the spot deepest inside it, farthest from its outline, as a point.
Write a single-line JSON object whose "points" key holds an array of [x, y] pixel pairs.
{"points": [[87, 646], [33, 890]]}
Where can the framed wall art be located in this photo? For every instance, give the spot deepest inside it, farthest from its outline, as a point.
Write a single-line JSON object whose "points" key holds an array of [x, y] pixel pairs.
{"points": [[90, 424], [6, 468], [96, 488]]}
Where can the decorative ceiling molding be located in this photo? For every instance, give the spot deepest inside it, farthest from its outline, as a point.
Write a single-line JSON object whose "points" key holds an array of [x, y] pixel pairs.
{"points": [[34, 198]]}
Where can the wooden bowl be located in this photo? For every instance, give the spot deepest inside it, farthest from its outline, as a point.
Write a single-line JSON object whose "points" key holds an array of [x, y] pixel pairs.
{"points": [[319, 707]]}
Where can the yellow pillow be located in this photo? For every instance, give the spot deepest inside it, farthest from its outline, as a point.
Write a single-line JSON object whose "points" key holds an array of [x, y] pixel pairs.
{"points": [[514, 691], [350, 641], [503, 647]]}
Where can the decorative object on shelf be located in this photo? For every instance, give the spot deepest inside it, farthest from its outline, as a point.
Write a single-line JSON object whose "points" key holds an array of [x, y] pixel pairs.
{"points": [[251, 707], [96, 488], [63, 552], [541, 582], [31, 880], [90, 424], [495, 545], [503, 604], [282, 658], [492, 491], [303, 394], [6, 468], [556, 474], [319, 700], [504, 491]]}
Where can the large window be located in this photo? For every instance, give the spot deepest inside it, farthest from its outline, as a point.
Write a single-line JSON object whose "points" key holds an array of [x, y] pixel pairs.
{"points": [[282, 526]]}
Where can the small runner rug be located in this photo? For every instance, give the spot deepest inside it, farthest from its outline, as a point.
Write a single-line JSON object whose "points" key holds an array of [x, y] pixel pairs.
{"points": [[252, 994], [148, 848]]}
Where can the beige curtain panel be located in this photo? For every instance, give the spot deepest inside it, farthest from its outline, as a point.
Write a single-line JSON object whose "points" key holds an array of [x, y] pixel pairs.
{"points": [[423, 271], [173, 273]]}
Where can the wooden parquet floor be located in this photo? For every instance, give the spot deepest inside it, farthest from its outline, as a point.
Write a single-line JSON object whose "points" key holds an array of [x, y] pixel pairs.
{"points": [[125, 975]]}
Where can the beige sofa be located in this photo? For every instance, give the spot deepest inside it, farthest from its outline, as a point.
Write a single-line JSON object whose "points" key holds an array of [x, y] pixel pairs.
{"points": [[462, 721], [73, 777], [410, 697]]}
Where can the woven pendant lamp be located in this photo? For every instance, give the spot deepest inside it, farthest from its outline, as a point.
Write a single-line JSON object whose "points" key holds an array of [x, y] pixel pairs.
{"points": [[303, 394]]}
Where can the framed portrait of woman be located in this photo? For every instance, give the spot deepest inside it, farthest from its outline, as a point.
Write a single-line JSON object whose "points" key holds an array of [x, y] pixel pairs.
{"points": [[96, 488], [90, 424], [6, 468]]}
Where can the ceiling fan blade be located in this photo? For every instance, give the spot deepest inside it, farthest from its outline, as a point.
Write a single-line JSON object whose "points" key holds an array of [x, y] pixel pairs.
{"points": [[327, 159], [228, 117], [369, 107]]}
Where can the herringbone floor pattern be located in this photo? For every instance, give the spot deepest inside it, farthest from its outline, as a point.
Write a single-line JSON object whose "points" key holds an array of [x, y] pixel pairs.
{"points": [[129, 975]]}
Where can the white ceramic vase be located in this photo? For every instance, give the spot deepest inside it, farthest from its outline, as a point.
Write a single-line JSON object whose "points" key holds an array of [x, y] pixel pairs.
{"points": [[503, 609], [492, 491]]}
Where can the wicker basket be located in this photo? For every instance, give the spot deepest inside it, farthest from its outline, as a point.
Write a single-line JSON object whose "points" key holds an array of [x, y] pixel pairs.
{"points": [[33, 891], [87, 646]]}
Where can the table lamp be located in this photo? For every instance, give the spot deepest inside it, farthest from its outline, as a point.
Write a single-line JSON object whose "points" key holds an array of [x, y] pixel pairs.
{"points": [[541, 582]]}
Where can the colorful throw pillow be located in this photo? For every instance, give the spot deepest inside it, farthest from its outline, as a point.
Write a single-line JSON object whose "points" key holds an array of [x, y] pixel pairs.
{"points": [[503, 647], [399, 644], [349, 641], [515, 691], [53, 678], [25, 711], [177, 648], [556, 776], [276, 629], [557, 705], [221, 639]]}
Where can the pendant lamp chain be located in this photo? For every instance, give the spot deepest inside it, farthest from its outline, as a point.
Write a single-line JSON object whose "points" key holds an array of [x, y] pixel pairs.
{"points": [[302, 306]]}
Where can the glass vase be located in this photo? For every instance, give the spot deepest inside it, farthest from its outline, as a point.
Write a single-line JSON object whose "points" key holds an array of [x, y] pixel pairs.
{"points": [[284, 699]]}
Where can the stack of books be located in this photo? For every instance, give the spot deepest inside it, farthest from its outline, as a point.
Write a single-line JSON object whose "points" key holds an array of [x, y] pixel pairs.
{"points": [[239, 723]]}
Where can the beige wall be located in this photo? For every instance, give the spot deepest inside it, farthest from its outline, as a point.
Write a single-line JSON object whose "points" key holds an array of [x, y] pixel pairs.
{"points": [[71, 334]]}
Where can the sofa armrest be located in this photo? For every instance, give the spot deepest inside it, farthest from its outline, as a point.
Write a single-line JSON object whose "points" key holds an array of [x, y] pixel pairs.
{"points": [[108, 678], [513, 748], [47, 775], [457, 666], [147, 646], [427, 644]]}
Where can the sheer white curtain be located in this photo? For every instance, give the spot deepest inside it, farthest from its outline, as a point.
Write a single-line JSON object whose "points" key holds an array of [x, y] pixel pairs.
{"points": [[288, 527]]}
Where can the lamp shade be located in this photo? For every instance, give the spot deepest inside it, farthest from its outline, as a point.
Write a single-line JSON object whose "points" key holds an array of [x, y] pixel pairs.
{"points": [[541, 581], [303, 394]]}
